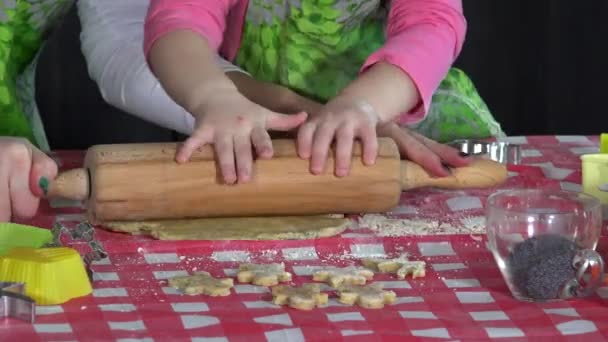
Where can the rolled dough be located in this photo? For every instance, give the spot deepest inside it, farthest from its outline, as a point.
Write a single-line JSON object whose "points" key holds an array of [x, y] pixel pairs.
{"points": [[242, 228]]}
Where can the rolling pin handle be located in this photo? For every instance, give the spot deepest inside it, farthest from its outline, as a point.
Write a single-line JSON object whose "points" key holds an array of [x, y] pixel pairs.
{"points": [[480, 174], [73, 185], [413, 176]]}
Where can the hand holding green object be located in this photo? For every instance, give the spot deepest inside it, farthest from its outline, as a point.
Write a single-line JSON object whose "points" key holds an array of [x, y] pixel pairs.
{"points": [[17, 235]]}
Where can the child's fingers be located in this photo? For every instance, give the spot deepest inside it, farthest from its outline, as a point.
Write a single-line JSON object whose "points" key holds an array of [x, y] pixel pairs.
{"points": [[344, 150], [305, 136], [185, 150], [262, 143], [283, 122], [199, 138], [322, 139], [369, 140], [243, 156], [224, 148]]}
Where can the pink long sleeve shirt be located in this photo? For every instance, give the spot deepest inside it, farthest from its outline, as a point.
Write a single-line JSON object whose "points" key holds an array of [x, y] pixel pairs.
{"points": [[423, 37]]}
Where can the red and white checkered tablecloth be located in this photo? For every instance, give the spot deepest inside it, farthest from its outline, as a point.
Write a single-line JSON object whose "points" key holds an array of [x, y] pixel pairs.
{"points": [[462, 297]]}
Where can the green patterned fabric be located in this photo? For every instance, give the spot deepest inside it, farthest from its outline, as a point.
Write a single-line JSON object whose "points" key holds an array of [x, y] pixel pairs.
{"points": [[317, 47], [23, 25], [458, 112]]}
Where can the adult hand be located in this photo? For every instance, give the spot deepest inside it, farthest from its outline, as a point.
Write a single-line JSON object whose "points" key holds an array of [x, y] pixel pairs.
{"points": [[431, 155], [22, 166]]}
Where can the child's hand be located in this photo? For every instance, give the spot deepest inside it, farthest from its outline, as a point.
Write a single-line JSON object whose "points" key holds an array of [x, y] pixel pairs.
{"points": [[343, 121], [22, 166], [233, 124], [429, 154]]}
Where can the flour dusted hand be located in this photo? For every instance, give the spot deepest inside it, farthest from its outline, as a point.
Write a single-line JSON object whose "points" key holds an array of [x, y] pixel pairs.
{"points": [[22, 166], [234, 124], [341, 121]]}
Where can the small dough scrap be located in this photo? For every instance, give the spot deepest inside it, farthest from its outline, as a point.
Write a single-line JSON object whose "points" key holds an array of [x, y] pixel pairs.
{"points": [[306, 297], [351, 275], [263, 275], [368, 296], [401, 266], [236, 228], [202, 283]]}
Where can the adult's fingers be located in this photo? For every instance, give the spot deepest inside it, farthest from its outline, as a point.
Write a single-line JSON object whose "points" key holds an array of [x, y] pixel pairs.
{"points": [[448, 154], [5, 195], [419, 153], [243, 157], [262, 143], [22, 202], [200, 137], [224, 150], [44, 169], [344, 150]]}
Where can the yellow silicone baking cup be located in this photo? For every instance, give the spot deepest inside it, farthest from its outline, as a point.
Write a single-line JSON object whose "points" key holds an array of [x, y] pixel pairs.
{"points": [[51, 275]]}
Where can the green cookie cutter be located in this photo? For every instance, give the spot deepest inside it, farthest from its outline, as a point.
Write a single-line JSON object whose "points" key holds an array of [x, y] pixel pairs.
{"points": [[18, 235]]}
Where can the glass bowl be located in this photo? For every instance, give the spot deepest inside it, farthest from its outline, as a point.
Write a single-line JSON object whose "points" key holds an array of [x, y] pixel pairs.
{"points": [[544, 242]]}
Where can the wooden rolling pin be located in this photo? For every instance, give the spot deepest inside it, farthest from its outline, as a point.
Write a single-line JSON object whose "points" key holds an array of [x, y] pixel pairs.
{"points": [[143, 181]]}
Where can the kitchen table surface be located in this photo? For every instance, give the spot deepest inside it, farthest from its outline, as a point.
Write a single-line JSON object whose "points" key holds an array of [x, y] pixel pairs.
{"points": [[462, 297]]}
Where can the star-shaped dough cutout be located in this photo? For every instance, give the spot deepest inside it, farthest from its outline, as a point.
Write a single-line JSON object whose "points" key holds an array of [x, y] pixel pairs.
{"points": [[336, 276], [367, 296], [263, 275], [306, 297], [400, 266], [202, 283]]}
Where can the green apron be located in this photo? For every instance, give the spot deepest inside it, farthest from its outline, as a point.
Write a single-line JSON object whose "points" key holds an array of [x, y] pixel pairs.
{"points": [[317, 47], [23, 24]]}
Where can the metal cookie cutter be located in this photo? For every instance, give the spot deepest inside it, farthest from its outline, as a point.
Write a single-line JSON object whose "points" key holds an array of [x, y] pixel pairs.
{"points": [[83, 232], [15, 304], [499, 151]]}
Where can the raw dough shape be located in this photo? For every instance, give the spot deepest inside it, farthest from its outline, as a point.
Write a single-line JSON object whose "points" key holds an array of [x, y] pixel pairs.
{"points": [[401, 266], [263, 275], [306, 297], [336, 276], [241, 228], [367, 296], [202, 283]]}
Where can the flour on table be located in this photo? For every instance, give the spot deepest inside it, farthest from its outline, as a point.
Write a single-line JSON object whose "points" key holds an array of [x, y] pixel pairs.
{"points": [[476, 224], [387, 226]]}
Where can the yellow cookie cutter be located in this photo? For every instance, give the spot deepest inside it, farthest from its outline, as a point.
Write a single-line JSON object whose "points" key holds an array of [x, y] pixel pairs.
{"points": [[595, 177], [52, 273], [604, 143]]}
